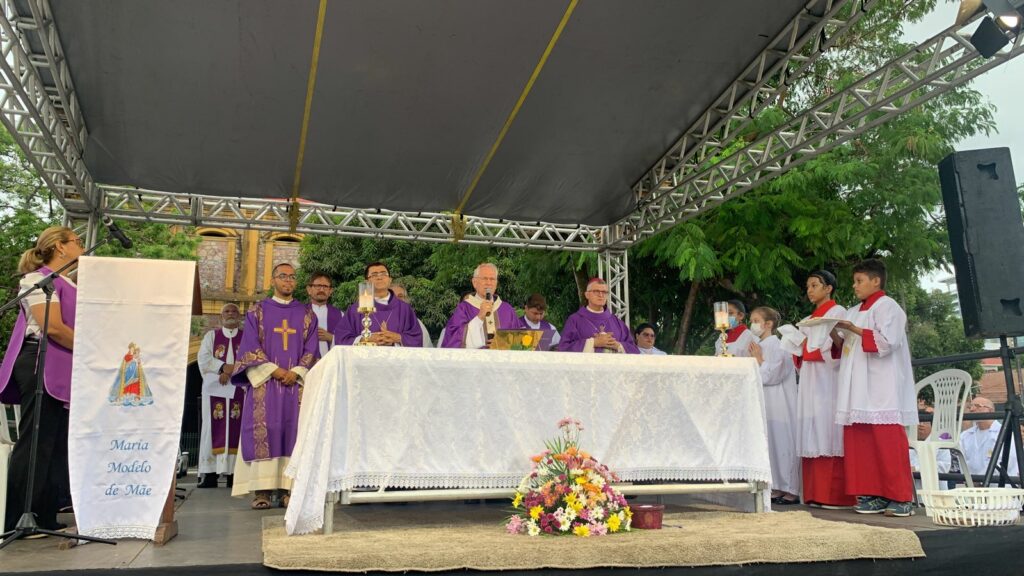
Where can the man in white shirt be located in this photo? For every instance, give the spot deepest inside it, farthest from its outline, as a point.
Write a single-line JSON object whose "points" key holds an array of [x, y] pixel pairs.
{"points": [[979, 440], [645, 336], [328, 317]]}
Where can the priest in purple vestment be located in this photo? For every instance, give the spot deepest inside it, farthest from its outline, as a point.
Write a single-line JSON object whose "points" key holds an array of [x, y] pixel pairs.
{"points": [[593, 328], [279, 346], [328, 318], [480, 313], [534, 310], [393, 323]]}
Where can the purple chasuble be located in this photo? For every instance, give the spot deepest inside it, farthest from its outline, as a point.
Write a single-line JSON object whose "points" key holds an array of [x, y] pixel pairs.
{"points": [[57, 372], [548, 332], [505, 318], [396, 315], [585, 323], [225, 421], [284, 334]]}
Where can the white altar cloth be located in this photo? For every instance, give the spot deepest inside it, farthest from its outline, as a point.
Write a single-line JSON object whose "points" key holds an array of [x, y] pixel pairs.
{"points": [[438, 418]]}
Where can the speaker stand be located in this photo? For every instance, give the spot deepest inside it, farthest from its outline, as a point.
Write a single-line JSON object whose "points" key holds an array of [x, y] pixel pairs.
{"points": [[1011, 422]]}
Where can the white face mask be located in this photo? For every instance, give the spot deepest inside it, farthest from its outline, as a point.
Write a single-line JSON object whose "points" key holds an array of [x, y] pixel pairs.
{"points": [[757, 328]]}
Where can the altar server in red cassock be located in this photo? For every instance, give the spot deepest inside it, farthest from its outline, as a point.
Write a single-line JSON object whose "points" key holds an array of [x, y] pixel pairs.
{"points": [[876, 396], [819, 438]]}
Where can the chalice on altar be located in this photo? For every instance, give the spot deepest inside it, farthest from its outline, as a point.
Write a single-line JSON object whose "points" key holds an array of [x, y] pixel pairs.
{"points": [[366, 307], [722, 325]]}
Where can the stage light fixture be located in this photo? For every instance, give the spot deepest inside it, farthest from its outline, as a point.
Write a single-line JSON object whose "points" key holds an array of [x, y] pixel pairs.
{"points": [[989, 38], [997, 30]]}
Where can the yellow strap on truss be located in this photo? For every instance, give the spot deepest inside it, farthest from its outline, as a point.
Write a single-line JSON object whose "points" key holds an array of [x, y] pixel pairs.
{"points": [[293, 210], [515, 109]]}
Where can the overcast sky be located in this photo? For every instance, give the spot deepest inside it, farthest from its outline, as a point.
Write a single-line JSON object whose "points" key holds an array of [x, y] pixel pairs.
{"points": [[1003, 86]]}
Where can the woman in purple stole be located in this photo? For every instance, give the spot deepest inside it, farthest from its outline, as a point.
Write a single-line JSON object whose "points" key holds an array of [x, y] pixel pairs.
{"points": [[55, 247]]}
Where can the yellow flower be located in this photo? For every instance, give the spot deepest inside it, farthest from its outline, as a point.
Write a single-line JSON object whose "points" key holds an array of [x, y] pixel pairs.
{"points": [[581, 480], [576, 506], [629, 512], [581, 531], [527, 339], [536, 511], [517, 500], [613, 523]]}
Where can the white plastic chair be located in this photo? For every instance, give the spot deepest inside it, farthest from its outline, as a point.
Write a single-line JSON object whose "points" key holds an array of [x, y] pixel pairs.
{"points": [[6, 447], [950, 389]]}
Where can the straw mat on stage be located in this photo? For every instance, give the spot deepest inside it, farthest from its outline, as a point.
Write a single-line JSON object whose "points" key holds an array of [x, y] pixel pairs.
{"points": [[398, 538]]}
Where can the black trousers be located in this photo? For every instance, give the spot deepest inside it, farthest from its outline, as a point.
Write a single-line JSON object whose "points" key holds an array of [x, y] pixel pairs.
{"points": [[51, 471]]}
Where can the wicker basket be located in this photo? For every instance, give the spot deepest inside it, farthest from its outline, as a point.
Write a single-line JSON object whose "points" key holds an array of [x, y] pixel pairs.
{"points": [[974, 506]]}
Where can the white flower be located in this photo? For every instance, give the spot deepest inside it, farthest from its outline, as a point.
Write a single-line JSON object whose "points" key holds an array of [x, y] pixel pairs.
{"points": [[564, 525], [532, 528], [576, 472], [597, 480], [597, 513], [570, 514]]}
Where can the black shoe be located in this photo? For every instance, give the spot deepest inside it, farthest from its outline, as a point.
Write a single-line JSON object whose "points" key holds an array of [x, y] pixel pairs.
{"points": [[56, 526], [781, 501], [209, 481], [229, 480]]}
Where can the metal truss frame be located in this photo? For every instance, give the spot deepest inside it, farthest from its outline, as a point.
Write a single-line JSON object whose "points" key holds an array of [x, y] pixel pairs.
{"points": [[936, 66], [28, 111], [39, 108], [313, 218], [788, 56], [613, 266]]}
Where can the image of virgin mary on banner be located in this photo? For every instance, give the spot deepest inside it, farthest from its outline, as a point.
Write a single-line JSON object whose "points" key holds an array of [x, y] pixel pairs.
{"points": [[130, 388]]}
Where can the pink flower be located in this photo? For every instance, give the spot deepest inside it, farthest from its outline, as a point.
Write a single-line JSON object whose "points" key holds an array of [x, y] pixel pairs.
{"points": [[598, 528], [515, 525]]}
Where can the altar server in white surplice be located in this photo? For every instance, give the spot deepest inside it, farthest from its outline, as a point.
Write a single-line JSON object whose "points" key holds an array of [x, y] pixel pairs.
{"points": [[819, 438], [738, 338], [875, 401], [222, 401], [778, 376]]}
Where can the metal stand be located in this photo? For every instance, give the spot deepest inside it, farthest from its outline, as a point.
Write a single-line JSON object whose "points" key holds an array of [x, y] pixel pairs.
{"points": [[1011, 422], [27, 525], [365, 336]]}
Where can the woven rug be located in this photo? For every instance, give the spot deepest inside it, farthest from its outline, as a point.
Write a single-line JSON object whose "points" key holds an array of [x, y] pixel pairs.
{"points": [[398, 538]]}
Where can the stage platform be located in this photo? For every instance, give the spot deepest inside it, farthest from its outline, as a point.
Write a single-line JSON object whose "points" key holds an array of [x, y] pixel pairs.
{"points": [[221, 535]]}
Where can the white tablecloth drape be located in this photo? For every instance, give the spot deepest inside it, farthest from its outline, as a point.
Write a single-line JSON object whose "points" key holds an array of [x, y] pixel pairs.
{"points": [[419, 418]]}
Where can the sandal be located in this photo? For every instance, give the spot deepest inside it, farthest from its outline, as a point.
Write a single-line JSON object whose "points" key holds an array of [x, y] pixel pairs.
{"points": [[284, 500], [261, 501]]}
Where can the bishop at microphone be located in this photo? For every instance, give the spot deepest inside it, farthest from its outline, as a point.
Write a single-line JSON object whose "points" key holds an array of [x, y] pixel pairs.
{"points": [[480, 315]]}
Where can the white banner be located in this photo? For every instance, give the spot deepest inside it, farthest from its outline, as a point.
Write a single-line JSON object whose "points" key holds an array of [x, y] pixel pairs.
{"points": [[127, 391]]}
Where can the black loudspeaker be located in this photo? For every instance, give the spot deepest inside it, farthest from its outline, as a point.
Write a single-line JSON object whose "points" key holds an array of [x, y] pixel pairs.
{"points": [[986, 234]]}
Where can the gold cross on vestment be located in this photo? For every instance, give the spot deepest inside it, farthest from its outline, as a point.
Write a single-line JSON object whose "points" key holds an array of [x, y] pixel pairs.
{"points": [[284, 331]]}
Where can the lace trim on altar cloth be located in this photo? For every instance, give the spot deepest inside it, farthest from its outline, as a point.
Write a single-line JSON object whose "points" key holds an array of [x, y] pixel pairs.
{"points": [[120, 532], [511, 481], [898, 417]]}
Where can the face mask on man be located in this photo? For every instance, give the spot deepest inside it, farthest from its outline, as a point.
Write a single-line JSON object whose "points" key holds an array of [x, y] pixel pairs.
{"points": [[733, 322], [757, 328]]}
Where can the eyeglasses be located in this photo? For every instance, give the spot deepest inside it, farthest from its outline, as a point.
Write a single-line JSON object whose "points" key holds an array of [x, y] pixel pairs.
{"points": [[598, 292], [288, 277], [76, 241], [647, 334], [319, 286], [378, 275], [487, 278]]}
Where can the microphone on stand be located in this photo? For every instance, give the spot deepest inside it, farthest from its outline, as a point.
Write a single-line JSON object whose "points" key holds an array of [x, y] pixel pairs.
{"points": [[117, 233], [489, 328]]}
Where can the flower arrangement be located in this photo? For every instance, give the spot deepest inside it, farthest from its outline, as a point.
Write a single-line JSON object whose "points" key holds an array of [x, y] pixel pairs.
{"points": [[568, 492]]}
